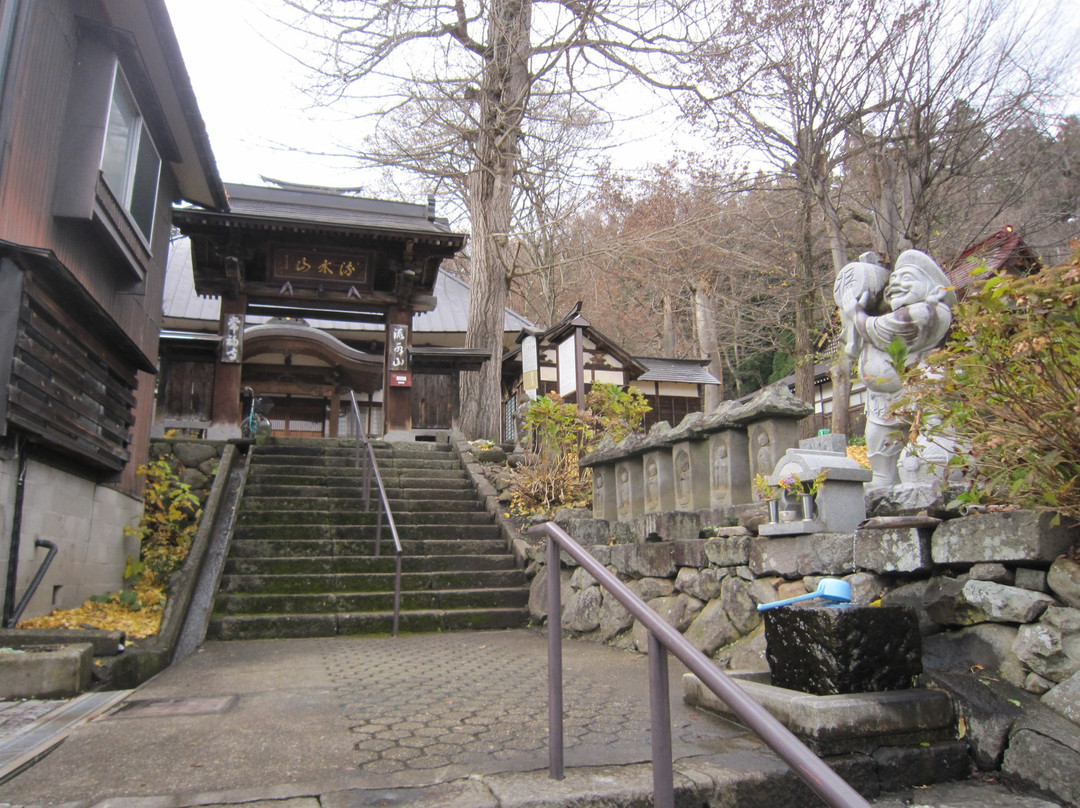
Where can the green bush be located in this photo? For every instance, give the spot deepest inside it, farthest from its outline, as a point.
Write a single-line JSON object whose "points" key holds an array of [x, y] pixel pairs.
{"points": [[1006, 388], [561, 434], [170, 519]]}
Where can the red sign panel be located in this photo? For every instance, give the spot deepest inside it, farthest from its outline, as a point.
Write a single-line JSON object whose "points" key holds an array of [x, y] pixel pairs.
{"points": [[401, 379]]}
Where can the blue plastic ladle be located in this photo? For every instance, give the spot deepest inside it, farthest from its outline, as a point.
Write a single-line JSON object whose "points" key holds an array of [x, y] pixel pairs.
{"points": [[830, 589]]}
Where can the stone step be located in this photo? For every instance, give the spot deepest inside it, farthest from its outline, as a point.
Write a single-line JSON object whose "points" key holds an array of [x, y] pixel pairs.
{"points": [[352, 602], [385, 464], [314, 548], [361, 533], [251, 627], [369, 582], [281, 475], [446, 488], [263, 565], [324, 503], [290, 519]]}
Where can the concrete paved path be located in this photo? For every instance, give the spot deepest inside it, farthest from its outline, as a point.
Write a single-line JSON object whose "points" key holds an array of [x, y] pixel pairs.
{"points": [[450, 720]]}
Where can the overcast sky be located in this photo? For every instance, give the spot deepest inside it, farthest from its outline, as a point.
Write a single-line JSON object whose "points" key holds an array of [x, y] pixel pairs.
{"points": [[259, 120], [261, 123]]}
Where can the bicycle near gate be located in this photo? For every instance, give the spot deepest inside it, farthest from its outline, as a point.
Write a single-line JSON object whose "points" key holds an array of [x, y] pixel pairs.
{"points": [[256, 423]]}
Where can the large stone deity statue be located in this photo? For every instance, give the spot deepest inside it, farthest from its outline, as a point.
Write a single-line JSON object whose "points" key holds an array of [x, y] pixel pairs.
{"points": [[889, 318]]}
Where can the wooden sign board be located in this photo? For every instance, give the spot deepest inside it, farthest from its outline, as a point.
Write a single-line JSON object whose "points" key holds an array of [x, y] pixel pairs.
{"points": [[316, 266]]}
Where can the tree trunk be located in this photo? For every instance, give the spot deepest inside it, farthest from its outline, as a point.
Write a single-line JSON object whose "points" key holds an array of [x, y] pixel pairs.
{"points": [[708, 347], [840, 372], [503, 95], [669, 341]]}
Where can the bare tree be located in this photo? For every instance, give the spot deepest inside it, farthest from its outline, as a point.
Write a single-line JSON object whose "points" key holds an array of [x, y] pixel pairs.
{"points": [[811, 83], [473, 74], [946, 159]]}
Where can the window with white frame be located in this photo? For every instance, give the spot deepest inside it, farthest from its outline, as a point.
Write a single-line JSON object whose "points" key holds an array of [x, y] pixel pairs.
{"points": [[130, 163]]}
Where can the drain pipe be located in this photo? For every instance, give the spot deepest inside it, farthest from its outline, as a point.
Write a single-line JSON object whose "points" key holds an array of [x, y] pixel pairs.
{"points": [[53, 550], [16, 532]]}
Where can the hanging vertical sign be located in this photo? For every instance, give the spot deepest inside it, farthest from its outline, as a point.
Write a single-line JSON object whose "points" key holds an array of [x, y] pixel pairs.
{"points": [[232, 341], [530, 376], [399, 348], [567, 365]]}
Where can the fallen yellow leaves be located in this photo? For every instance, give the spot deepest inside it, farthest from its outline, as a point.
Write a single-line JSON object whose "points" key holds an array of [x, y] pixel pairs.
{"points": [[110, 616], [859, 455]]}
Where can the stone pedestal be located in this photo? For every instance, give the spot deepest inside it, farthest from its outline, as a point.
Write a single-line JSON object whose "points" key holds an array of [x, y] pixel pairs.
{"points": [[690, 460], [830, 650], [839, 506], [603, 493], [629, 489], [659, 481], [730, 468]]}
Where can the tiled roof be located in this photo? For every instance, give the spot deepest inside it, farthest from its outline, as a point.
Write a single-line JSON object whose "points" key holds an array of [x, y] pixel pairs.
{"points": [[688, 371], [327, 207]]}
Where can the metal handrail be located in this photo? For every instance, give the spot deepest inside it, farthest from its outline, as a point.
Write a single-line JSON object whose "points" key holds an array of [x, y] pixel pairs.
{"points": [[663, 637], [36, 582], [372, 468]]}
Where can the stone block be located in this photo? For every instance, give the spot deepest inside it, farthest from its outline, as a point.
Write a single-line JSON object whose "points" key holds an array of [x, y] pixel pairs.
{"points": [[1064, 698], [893, 549], [730, 478], [987, 645], [1045, 754], [711, 629], [652, 588], [1051, 647], [46, 671], [657, 559], [587, 532], [703, 584], [768, 440], [104, 642], [799, 556], [953, 602], [728, 551], [1063, 579], [667, 525], [837, 650], [581, 612], [604, 499], [614, 618], [779, 556], [739, 604], [845, 723], [690, 460], [659, 481], [998, 573], [1032, 579], [629, 488], [1008, 536]]}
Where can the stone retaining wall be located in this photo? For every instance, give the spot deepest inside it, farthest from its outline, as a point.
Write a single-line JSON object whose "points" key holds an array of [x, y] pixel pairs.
{"points": [[995, 593]]}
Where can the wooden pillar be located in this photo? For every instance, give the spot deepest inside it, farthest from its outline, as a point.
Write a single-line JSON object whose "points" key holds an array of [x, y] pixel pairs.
{"points": [[397, 397], [225, 420], [335, 412]]}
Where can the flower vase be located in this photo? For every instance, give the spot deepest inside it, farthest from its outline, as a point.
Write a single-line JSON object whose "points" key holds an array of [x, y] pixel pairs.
{"points": [[807, 503], [774, 510]]}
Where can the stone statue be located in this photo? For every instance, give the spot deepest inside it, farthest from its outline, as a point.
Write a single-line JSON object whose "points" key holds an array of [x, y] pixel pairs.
{"points": [[889, 317]]}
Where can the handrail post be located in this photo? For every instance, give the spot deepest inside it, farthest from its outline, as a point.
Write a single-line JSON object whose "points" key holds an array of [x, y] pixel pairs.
{"points": [[826, 783], [663, 774], [555, 680]]}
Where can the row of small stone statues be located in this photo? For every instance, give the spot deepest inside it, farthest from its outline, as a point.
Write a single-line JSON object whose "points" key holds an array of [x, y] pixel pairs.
{"points": [[709, 462]]}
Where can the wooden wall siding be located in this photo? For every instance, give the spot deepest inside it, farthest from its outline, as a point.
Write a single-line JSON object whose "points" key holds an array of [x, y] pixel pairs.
{"points": [[188, 392], [670, 408], [434, 400], [42, 73], [66, 387]]}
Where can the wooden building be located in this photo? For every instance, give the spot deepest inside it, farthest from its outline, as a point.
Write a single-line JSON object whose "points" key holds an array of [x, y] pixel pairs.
{"points": [[304, 294], [572, 355], [99, 136]]}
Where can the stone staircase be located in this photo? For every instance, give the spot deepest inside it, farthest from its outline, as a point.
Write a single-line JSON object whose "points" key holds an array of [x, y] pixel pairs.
{"points": [[302, 560]]}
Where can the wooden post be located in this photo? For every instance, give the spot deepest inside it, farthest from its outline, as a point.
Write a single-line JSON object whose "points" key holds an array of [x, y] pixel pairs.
{"points": [[397, 399], [225, 419], [335, 412]]}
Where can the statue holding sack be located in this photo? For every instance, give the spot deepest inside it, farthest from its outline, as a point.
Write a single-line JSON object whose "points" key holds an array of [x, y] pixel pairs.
{"points": [[891, 321]]}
